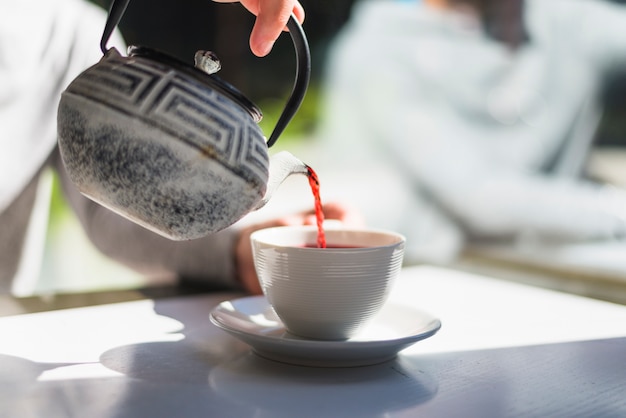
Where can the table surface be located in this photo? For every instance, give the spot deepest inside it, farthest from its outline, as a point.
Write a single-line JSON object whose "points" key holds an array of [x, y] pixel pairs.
{"points": [[505, 349]]}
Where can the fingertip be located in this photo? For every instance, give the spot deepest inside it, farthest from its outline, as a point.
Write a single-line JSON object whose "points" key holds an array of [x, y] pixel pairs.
{"points": [[268, 28], [262, 38], [262, 49], [298, 11]]}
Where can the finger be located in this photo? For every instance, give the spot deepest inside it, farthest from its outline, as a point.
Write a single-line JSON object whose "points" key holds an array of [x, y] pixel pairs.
{"points": [[252, 6], [298, 11], [271, 20]]}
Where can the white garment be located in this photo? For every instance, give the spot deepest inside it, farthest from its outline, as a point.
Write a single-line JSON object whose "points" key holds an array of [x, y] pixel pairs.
{"points": [[44, 44], [469, 128]]}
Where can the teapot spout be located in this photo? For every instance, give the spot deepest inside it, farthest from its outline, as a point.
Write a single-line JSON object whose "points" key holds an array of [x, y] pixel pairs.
{"points": [[282, 165]]}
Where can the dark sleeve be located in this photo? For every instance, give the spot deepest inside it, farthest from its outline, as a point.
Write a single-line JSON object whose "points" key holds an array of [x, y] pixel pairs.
{"points": [[209, 260]]}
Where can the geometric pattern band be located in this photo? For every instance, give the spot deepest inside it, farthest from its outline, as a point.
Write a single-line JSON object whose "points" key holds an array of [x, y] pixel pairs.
{"points": [[176, 103]]}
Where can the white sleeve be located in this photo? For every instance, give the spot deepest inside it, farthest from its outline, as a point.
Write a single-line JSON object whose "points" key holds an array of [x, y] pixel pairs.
{"points": [[44, 45]]}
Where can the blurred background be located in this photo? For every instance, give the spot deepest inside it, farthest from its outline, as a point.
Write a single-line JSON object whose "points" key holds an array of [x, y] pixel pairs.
{"points": [[181, 27]]}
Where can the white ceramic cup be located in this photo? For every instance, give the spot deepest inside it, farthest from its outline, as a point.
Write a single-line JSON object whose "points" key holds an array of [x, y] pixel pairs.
{"points": [[326, 293]]}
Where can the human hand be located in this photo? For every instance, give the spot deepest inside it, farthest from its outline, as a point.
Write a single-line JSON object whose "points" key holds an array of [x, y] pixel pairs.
{"points": [[243, 251], [271, 19]]}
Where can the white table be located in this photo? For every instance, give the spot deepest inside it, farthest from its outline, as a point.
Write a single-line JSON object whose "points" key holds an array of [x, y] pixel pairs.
{"points": [[504, 350]]}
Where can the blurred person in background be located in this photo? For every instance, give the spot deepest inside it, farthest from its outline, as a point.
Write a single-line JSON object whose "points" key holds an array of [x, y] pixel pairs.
{"points": [[466, 120], [44, 45]]}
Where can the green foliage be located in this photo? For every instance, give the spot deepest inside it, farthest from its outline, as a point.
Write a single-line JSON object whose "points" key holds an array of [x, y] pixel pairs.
{"points": [[59, 208], [302, 124]]}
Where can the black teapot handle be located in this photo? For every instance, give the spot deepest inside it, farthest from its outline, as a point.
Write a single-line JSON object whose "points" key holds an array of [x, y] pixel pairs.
{"points": [[116, 11], [303, 63], [301, 83]]}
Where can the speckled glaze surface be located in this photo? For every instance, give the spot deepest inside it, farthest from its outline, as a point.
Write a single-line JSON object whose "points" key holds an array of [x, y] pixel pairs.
{"points": [[160, 148]]}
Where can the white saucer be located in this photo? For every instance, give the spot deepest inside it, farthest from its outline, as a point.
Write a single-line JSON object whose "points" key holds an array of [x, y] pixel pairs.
{"points": [[252, 320]]}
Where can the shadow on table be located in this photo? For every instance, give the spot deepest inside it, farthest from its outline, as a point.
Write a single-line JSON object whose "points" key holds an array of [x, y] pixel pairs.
{"points": [[18, 374], [273, 389], [568, 379], [186, 361], [209, 373], [582, 378], [194, 369]]}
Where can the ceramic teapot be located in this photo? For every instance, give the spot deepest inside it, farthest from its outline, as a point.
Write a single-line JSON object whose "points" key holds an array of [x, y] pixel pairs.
{"points": [[169, 145]]}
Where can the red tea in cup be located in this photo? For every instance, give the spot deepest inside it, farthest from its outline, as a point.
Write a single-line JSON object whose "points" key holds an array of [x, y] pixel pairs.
{"points": [[331, 246]]}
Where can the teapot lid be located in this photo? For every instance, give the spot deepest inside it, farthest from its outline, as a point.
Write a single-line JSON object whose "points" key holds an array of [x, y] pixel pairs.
{"points": [[209, 80]]}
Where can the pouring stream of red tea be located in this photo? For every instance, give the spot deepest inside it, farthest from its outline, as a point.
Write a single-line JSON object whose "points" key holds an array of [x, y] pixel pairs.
{"points": [[319, 213]]}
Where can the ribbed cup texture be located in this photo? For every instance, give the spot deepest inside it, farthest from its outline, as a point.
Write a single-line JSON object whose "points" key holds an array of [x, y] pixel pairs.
{"points": [[326, 293]]}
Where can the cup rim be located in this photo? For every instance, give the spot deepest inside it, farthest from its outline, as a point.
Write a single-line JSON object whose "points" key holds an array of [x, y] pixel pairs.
{"points": [[257, 235]]}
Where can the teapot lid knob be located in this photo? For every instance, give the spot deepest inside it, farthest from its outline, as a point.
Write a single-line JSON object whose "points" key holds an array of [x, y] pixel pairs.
{"points": [[207, 61]]}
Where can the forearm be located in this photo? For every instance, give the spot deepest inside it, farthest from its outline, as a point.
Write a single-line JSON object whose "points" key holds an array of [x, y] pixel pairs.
{"points": [[540, 206], [492, 198]]}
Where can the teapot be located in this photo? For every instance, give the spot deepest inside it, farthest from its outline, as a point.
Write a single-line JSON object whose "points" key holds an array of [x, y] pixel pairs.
{"points": [[169, 145]]}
